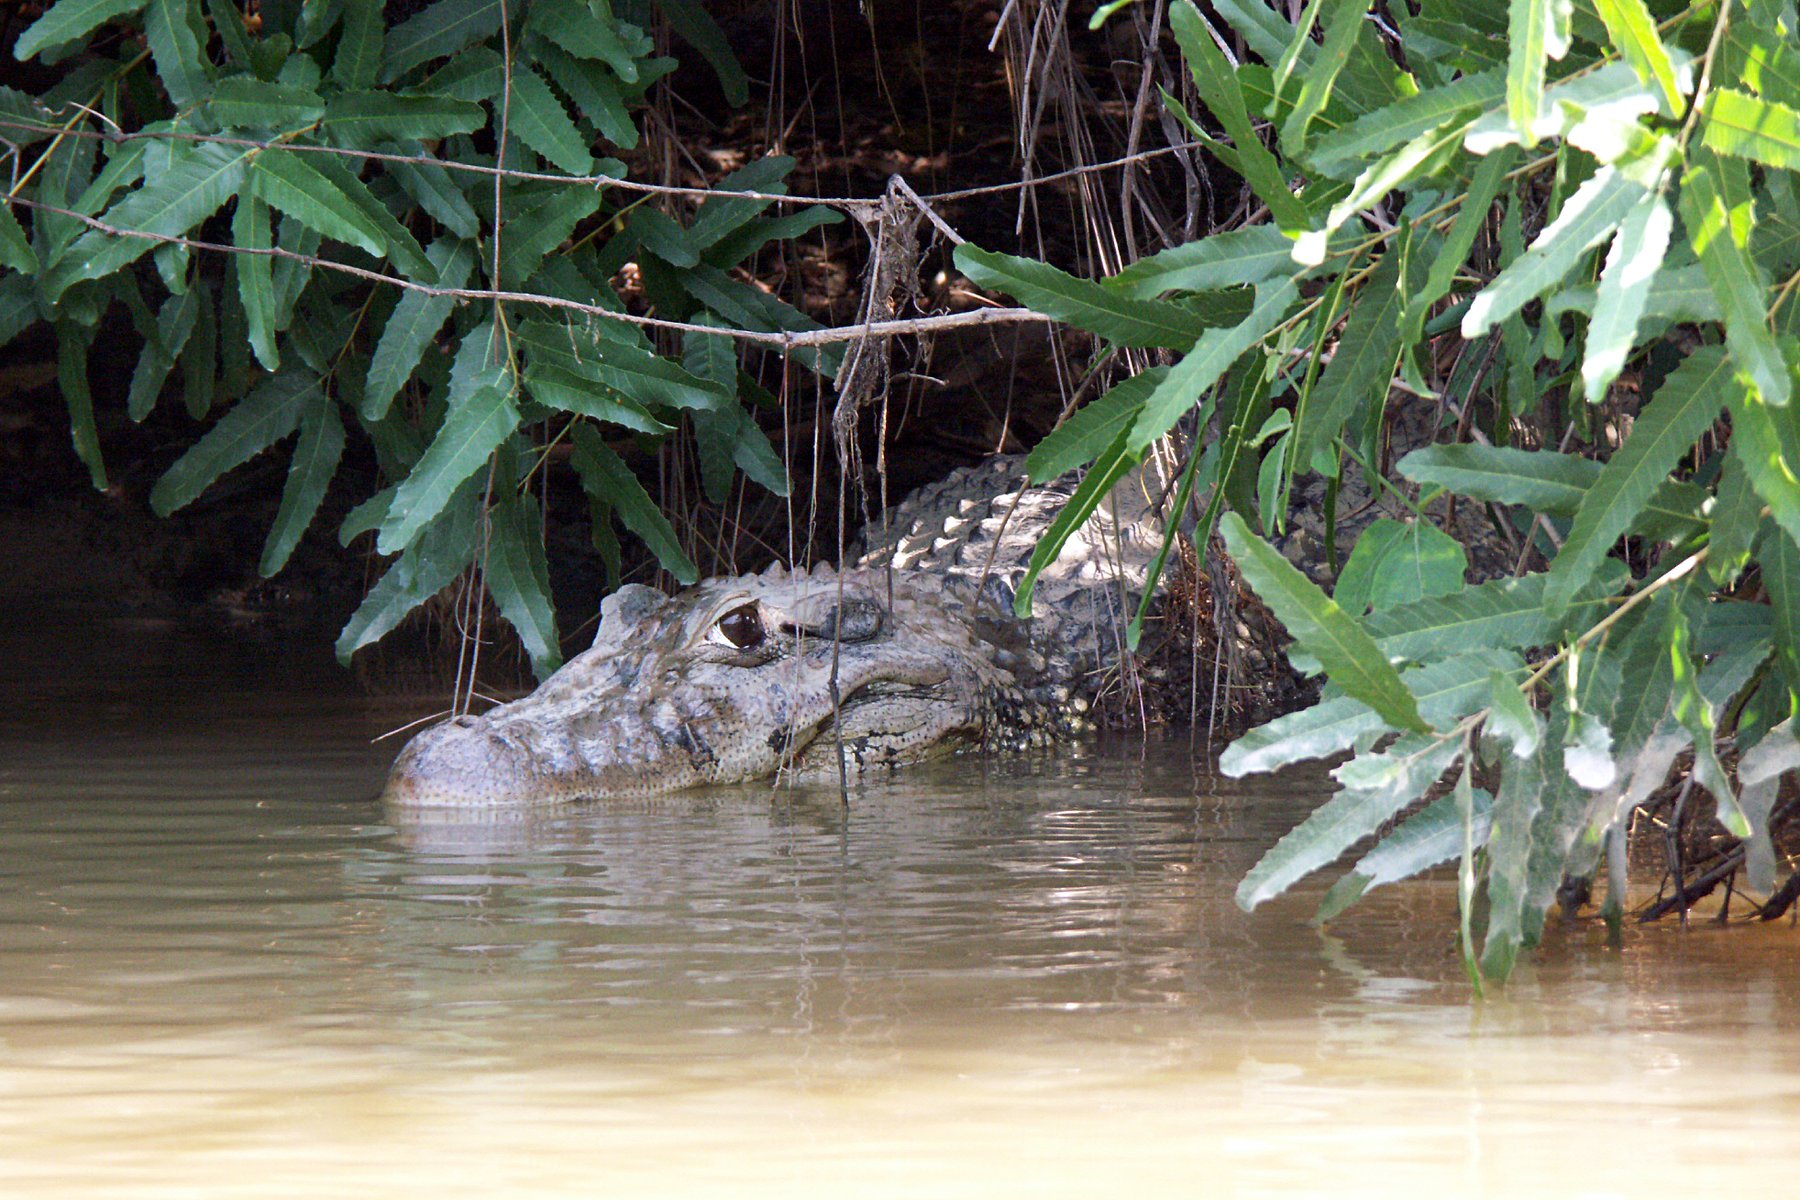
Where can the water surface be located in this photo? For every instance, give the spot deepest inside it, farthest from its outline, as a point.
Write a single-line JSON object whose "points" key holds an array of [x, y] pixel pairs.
{"points": [[226, 971]]}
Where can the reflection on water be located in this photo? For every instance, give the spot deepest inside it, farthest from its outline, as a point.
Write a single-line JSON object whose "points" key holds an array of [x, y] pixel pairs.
{"points": [[225, 970]]}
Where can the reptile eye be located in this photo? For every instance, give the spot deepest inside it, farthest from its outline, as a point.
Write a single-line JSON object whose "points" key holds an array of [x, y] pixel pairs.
{"points": [[743, 627]]}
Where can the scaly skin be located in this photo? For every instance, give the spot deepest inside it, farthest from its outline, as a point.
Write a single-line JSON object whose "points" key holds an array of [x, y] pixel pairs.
{"points": [[733, 680]]}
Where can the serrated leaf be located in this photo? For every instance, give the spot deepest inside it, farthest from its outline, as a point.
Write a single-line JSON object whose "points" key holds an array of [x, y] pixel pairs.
{"points": [[72, 343], [1109, 467], [1447, 691], [555, 387], [1632, 32], [1191, 379], [518, 576], [582, 33], [415, 321], [198, 180], [1587, 218], [431, 188], [539, 120], [605, 476], [1411, 766], [1083, 303], [1537, 30], [1684, 407], [1717, 209], [1383, 129], [1745, 126], [442, 29], [534, 231], [174, 324], [1631, 265], [481, 415], [1779, 557], [738, 245], [176, 35], [1093, 427], [245, 100], [365, 117], [1502, 613], [691, 21], [1349, 656], [358, 56], [1217, 84], [432, 562], [402, 249], [1341, 25], [269, 413], [595, 92], [68, 20], [1396, 562], [628, 369], [1771, 460], [15, 247], [1433, 835], [1359, 372], [255, 276], [315, 461], [1511, 718], [478, 75], [1241, 256], [288, 181]]}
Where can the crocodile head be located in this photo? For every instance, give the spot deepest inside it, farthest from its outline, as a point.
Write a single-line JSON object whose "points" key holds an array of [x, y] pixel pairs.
{"points": [[732, 680]]}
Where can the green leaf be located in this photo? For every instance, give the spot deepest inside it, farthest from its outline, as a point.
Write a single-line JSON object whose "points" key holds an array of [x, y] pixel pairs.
{"points": [[1423, 155], [582, 33], [740, 244], [1746, 126], [1684, 407], [415, 321], [540, 121], [199, 178], [1447, 691], [1541, 480], [291, 183], [555, 387], [363, 118], [595, 92], [1430, 836], [315, 461], [1093, 427], [692, 22], [405, 252], [1108, 469], [1405, 771], [1516, 807], [481, 416], [430, 187], [605, 476], [1242, 256], [246, 101], [174, 325], [1771, 460], [1193, 377], [1779, 556], [427, 566], [358, 55], [15, 248], [1717, 209], [1396, 124], [442, 29], [1632, 32], [177, 37], [478, 75], [1632, 263], [634, 372], [255, 276], [1597, 208], [1536, 30], [1217, 83], [1341, 23], [532, 232], [1398, 562], [1350, 657], [1359, 372], [268, 414], [72, 343], [518, 576], [1503, 613], [68, 20], [1083, 303]]}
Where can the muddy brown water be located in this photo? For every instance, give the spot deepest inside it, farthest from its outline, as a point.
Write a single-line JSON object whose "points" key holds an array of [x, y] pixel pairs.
{"points": [[226, 971]]}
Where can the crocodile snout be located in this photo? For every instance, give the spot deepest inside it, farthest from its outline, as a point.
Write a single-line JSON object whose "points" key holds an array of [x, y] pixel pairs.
{"points": [[463, 762]]}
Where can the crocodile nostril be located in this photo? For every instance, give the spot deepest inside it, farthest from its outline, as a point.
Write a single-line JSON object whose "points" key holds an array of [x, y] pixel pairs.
{"points": [[465, 721]]}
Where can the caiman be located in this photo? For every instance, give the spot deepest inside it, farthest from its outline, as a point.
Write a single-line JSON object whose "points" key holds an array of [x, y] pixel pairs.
{"points": [[909, 653]]}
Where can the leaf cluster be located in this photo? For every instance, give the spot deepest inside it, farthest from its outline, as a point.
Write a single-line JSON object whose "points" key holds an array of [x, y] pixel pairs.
{"points": [[363, 182], [1565, 204]]}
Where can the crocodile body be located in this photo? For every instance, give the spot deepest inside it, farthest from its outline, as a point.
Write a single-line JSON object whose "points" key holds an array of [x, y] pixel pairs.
{"points": [[910, 652]]}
